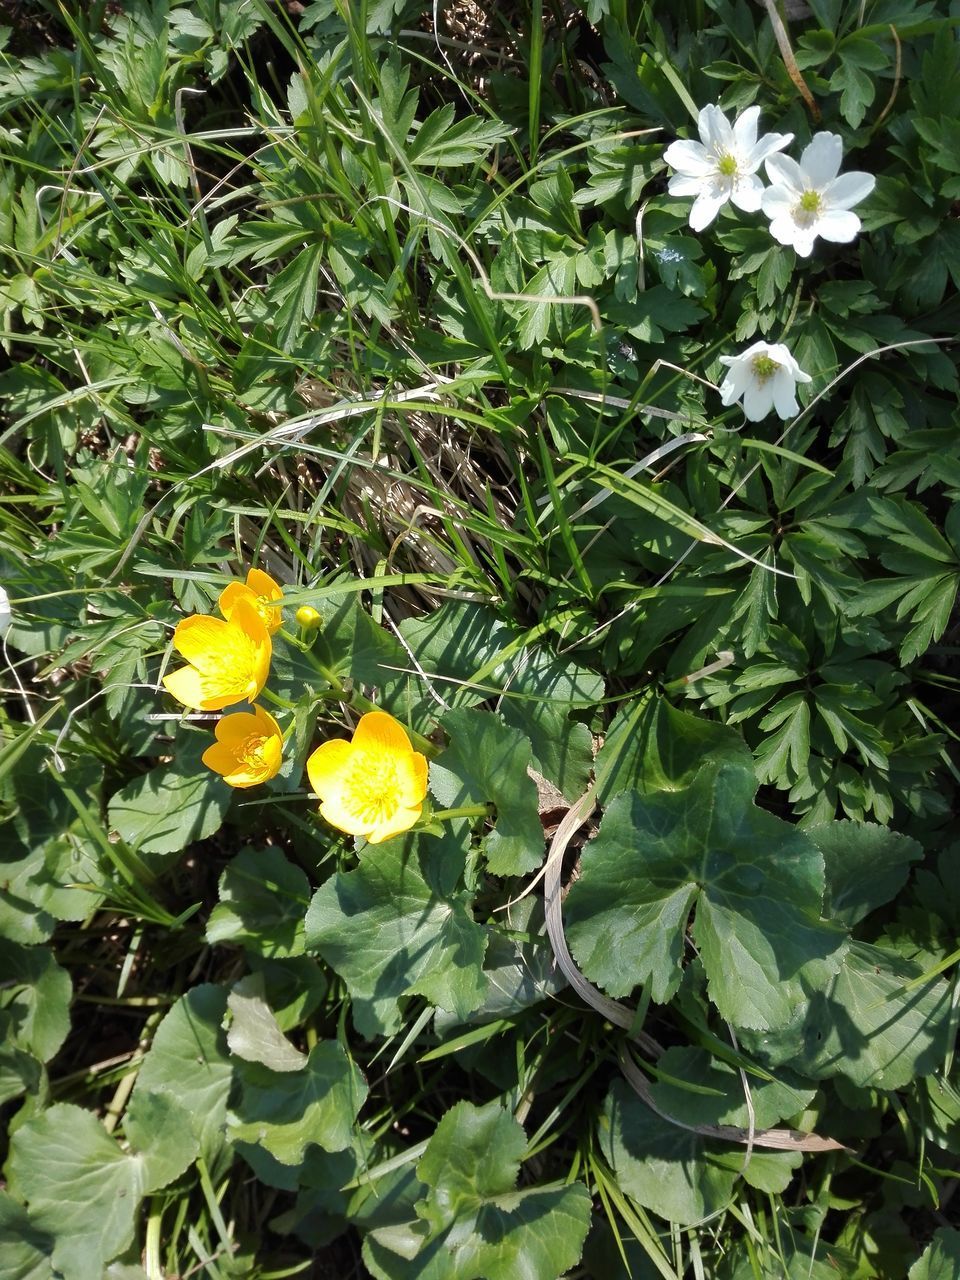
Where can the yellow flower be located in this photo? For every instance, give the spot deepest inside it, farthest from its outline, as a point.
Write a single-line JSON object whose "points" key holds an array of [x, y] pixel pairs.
{"points": [[261, 591], [229, 660], [248, 749], [373, 786]]}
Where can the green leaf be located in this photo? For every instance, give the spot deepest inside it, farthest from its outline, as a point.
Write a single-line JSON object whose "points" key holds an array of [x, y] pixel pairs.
{"points": [[756, 881], [545, 691], [20, 1072], [388, 935], [468, 655], [694, 1089], [167, 809], [679, 1175], [655, 313], [941, 1258], [79, 1187], [263, 898], [349, 253], [488, 762], [285, 1111], [24, 1250], [254, 1034], [866, 865], [44, 857], [866, 1023], [472, 1223], [292, 295], [188, 1060], [440, 141], [652, 746], [518, 969], [161, 1131], [34, 1000]]}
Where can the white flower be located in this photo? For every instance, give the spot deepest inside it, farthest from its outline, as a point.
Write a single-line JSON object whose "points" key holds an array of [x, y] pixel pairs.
{"points": [[6, 616], [808, 200], [764, 377], [723, 165]]}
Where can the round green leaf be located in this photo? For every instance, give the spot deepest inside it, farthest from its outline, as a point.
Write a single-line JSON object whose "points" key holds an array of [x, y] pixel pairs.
{"points": [[756, 883], [263, 898], [284, 1111], [388, 935], [79, 1187]]}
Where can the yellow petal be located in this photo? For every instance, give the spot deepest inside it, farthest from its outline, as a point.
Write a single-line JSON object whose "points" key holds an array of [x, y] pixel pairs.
{"points": [[230, 594], [187, 687], [223, 760], [377, 731], [261, 584], [400, 821], [272, 754], [267, 723], [258, 599], [411, 779], [197, 637], [325, 766], [235, 728], [344, 819], [246, 616]]}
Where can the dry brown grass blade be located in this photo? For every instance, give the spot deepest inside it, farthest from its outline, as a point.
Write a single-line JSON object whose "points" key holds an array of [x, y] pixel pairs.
{"points": [[774, 1139], [789, 61], [622, 1016]]}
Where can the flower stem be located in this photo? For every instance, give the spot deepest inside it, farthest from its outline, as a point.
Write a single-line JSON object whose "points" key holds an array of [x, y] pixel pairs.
{"points": [[276, 700], [465, 811]]}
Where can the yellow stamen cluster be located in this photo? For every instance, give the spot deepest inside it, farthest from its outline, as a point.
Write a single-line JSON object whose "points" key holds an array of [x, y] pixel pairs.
{"points": [[807, 208], [764, 367], [727, 165]]}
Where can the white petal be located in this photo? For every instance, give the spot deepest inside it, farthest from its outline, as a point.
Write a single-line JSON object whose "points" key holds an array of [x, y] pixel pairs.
{"points": [[6, 615], [766, 146], [784, 395], [838, 225], [778, 202], [735, 384], [747, 194], [847, 190], [705, 209], [821, 159], [803, 238], [745, 129], [783, 171], [715, 131], [689, 158], [758, 400], [682, 184], [784, 229], [759, 348]]}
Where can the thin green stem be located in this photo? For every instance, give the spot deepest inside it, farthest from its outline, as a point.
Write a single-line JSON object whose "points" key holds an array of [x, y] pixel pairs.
{"points": [[464, 811]]}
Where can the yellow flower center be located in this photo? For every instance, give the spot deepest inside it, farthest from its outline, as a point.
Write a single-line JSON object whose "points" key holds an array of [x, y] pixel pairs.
{"points": [[727, 165], [250, 752], [764, 367], [370, 787], [807, 208]]}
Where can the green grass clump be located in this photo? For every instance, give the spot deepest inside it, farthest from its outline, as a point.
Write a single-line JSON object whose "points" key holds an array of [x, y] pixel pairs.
{"points": [[393, 302]]}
